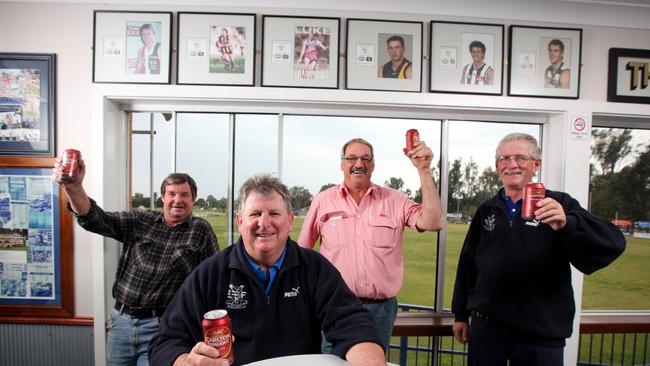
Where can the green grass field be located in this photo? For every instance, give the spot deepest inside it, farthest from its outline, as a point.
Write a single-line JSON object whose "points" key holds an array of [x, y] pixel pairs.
{"points": [[621, 286]]}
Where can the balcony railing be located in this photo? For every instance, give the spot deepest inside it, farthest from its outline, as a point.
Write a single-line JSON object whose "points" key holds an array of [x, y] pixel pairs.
{"points": [[421, 337]]}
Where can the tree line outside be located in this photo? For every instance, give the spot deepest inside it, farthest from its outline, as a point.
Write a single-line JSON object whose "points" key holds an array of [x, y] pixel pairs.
{"points": [[619, 185]]}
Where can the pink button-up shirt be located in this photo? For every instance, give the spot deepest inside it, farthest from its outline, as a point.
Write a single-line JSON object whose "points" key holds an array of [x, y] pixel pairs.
{"points": [[363, 241]]}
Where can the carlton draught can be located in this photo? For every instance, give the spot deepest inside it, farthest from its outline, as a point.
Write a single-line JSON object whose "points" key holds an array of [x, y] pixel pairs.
{"points": [[412, 136], [70, 163], [217, 332], [533, 192]]}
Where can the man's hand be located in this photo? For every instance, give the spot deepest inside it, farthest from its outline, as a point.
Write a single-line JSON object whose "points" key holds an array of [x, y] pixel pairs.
{"points": [[57, 174], [201, 355], [421, 156], [461, 331], [551, 212], [366, 354]]}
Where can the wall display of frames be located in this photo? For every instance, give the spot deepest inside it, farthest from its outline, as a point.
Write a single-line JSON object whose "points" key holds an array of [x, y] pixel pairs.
{"points": [[544, 62], [300, 52], [132, 47], [27, 104], [216, 49], [466, 58], [384, 55]]}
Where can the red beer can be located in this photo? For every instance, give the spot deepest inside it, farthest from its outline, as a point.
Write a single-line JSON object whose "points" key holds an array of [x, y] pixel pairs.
{"points": [[217, 333], [533, 192], [70, 162], [412, 136]]}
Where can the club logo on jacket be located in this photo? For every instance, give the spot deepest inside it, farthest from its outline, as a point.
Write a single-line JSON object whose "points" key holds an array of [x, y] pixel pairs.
{"points": [[236, 297], [293, 293], [489, 223]]}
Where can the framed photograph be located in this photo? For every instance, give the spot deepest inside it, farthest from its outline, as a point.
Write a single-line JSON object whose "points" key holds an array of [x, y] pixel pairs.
{"points": [[27, 104], [466, 58], [36, 277], [544, 62], [216, 49], [628, 76], [384, 55], [300, 51], [132, 47]]}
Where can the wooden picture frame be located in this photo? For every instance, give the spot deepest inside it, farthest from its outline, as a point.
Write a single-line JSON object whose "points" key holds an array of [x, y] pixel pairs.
{"points": [[216, 49], [132, 47], [36, 278], [454, 46], [544, 62], [367, 50], [28, 104], [301, 52], [627, 77]]}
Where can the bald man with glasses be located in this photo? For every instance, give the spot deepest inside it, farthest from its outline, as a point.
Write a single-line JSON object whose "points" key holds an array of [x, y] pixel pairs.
{"points": [[360, 226]]}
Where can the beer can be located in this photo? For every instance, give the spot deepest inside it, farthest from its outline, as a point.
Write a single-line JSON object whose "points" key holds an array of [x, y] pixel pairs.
{"points": [[217, 333], [70, 162], [533, 192], [412, 136]]}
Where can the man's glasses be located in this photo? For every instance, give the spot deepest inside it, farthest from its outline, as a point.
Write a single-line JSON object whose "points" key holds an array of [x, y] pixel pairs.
{"points": [[353, 159], [519, 159]]}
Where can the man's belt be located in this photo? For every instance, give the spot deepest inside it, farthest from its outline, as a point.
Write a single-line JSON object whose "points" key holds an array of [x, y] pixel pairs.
{"points": [[139, 312]]}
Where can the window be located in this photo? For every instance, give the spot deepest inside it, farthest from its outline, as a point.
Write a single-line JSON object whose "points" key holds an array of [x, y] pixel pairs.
{"points": [[619, 191], [472, 180], [312, 161]]}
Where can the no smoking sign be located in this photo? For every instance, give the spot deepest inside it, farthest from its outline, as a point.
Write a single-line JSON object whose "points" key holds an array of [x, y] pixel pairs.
{"points": [[579, 128]]}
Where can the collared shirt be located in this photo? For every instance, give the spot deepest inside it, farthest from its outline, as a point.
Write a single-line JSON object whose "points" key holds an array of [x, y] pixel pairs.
{"points": [[260, 274], [513, 207], [155, 258], [363, 241]]}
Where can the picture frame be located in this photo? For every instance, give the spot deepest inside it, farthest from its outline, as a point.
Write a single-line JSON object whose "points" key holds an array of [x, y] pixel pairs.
{"points": [[36, 277], [544, 62], [369, 64], [215, 49], [300, 52], [27, 104], [132, 47], [466, 58], [625, 79]]}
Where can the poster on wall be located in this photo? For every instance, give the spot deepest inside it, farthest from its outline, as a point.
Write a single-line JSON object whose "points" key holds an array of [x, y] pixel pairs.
{"points": [[544, 62], [300, 52], [132, 47], [27, 104], [216, 49], [34, 251]]}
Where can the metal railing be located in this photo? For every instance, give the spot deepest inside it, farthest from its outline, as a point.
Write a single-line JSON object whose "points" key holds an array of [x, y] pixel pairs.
{"points": [[612, 339]]}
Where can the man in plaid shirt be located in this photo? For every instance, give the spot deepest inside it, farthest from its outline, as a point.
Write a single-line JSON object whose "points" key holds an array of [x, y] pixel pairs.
{"points": [[159, 251]]}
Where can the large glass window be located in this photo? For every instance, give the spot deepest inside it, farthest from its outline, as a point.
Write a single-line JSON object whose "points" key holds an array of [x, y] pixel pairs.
{"points": [[472, 180], [619, 192], [312, 162], [193, 143]]}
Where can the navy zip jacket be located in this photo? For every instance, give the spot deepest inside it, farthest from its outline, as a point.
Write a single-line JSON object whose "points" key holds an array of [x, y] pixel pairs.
{"points": [[518, 271], [308, 295]]}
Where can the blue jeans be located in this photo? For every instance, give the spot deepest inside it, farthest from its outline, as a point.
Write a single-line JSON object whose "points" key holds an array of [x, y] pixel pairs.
{"points": [[128, 339], [383, 313]]}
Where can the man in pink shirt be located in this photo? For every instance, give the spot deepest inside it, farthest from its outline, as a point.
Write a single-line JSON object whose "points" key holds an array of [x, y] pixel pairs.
{"points": [[360, 226]]}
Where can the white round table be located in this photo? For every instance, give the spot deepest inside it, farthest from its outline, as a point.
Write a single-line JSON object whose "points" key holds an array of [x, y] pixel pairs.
{"points": [[303, 360]]}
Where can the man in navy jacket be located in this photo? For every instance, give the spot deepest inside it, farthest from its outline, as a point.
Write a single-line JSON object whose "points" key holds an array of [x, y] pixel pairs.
{"points": [[278, 295], [513, 284]]}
